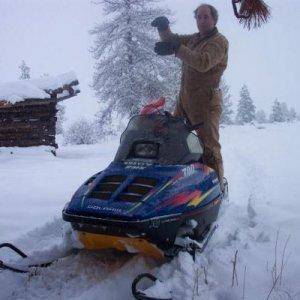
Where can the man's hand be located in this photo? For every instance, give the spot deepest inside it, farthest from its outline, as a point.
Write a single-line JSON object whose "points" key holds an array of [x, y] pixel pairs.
{"points": [[167, 47], [161, 23]]}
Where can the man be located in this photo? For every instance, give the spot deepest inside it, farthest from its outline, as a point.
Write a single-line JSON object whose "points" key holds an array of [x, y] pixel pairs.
{"points": [[204, 56]]}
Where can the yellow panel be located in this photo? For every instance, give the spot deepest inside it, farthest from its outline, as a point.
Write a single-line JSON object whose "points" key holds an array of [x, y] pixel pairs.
{"points": [[93, 241]]}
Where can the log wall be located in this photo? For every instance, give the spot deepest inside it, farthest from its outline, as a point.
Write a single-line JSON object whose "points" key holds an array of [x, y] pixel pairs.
{"points": [[28, 123]]}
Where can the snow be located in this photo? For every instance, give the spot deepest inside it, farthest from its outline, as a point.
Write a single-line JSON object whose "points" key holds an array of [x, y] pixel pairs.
{"points": [[261, 165], [18, 91], [33, 88]]}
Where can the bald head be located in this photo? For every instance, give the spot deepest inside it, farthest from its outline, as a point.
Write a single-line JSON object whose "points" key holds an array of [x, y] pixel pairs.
{"points": [[213, 11], [207, 17]]}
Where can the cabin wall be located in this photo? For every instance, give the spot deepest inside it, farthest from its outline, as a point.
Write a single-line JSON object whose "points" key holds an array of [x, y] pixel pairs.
{"points": [[26, 125]]}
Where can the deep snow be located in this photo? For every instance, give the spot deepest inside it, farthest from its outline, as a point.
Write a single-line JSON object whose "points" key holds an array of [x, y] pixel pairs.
{"points": [[261, 165]]}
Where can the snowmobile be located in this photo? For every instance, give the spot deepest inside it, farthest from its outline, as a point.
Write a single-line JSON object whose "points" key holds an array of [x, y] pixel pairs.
{"points": [[154, 193], [156, 197]]}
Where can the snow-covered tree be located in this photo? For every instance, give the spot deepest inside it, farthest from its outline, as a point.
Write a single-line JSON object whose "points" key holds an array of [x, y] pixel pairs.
{"points": [[285, 111], [292, 114], [80, 132], [25, 71], [60, 115], [226, 116], [277, 113], [127, 71], [281, 112], [260, 116], [246, 108], [45, 75]]}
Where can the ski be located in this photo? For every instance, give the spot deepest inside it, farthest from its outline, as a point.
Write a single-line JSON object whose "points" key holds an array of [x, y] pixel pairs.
{"points": [[189, 245], [24, 268]]}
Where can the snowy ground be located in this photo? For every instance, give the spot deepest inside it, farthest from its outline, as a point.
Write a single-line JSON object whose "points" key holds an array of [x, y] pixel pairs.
{"points": [[262, 169]]}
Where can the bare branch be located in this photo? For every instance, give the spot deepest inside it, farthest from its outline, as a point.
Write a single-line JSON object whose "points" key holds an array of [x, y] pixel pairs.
{"points": [[234, 274]]}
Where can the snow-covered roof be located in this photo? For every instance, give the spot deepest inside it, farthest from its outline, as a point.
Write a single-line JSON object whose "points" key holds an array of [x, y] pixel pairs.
{"points": [[17, 91]]}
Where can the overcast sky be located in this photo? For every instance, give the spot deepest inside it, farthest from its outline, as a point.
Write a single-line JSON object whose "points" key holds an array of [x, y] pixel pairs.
{"points": [[52, 37]]}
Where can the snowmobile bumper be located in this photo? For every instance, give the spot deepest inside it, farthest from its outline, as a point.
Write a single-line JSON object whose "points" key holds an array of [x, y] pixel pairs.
{"points": [[152, 237], [140, 234], [92, 241]]}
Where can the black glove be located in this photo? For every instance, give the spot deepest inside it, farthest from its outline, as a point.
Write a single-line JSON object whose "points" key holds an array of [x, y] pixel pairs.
{"points": [[167, 48], [161, 23]]}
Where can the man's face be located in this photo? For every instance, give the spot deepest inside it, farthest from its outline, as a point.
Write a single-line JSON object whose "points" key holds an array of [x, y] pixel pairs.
{"points": [[205, 20]]}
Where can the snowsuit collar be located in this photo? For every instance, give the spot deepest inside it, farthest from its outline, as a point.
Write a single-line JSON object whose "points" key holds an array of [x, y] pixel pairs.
{"points": [[208, 35]]}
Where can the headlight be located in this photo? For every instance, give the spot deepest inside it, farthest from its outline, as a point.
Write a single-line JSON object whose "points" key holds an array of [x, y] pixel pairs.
{"points": [[146, 150]]}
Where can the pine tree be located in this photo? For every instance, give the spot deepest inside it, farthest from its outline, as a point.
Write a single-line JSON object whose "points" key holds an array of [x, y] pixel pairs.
{"points": [[25, 71], [260, 116], [292, 114], [246, 107], [226, 116], [277, 114], [285, 111], [127, 71], [44, 75]]}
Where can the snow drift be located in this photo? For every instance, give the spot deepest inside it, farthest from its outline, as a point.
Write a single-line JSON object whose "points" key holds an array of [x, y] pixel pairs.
{"points": [[259, 225]]}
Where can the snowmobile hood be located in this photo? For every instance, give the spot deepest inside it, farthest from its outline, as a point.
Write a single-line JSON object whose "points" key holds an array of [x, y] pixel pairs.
{"points": [[138, 190]]}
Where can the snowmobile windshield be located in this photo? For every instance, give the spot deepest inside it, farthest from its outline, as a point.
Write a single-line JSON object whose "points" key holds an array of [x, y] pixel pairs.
{"points": [[162, 138]]}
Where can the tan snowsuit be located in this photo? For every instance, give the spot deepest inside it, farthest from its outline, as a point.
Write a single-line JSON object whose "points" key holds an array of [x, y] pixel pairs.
{"points": [[204, 61]]}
